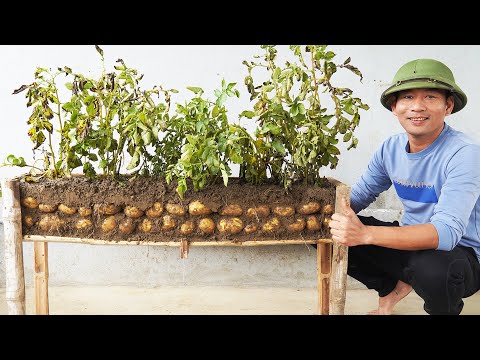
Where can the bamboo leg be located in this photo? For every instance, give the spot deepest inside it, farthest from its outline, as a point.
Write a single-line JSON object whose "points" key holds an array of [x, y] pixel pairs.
{"points": [[40, 250], [338, 284], [324, 256], [184, 249], [14, 272]]}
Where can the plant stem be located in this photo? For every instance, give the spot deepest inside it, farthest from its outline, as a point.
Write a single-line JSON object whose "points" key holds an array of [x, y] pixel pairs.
{"points": [[315, 86]]}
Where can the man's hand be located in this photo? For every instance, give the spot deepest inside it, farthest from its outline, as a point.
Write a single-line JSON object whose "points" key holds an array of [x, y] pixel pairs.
{"points": [[347, 228]]}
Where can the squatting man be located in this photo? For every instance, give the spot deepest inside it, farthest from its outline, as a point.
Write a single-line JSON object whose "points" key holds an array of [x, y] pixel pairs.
{"points": [[435, 171]]}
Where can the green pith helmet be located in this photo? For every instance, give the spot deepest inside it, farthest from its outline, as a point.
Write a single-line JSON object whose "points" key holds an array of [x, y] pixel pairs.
{"points": [[424, 73]]}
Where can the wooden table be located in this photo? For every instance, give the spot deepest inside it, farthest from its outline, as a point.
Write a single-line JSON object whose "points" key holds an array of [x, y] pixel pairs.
{"points": [[331, 257]]}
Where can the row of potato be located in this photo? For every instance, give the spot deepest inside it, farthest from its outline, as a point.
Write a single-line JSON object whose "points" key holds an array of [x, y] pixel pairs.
{"points": [[206, 225]]}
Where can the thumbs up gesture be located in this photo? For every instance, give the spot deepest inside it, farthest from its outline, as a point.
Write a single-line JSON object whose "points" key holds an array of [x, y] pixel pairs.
{"points": [[346, 228]]}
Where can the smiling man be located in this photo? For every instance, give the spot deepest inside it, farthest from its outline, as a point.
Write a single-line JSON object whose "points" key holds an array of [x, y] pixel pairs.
{"points": [[436, 173]]}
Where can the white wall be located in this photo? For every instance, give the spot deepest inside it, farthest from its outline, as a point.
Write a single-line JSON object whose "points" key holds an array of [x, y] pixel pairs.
{"points": [[177, 66]]}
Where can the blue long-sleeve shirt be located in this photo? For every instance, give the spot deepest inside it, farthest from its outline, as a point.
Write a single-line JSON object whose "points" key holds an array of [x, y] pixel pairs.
{"points": [[439, 185]]}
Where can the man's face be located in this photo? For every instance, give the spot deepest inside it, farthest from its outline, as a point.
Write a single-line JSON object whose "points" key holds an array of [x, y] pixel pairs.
{"points": [[421, 112]]}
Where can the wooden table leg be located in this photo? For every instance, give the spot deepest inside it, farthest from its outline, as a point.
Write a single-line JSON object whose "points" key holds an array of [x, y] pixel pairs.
{"points": [[338, 280], [338, 284], [14, 272], [324, 256], [40, 250]]}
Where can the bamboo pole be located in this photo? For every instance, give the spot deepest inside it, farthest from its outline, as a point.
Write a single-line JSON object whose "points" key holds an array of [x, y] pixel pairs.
{"points": [[183, 249], [40, 251], [338, 284], [14, 272], [324, 259], [64, 239]]}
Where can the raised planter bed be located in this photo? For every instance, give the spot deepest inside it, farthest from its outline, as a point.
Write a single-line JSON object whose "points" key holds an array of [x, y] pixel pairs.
{"points": [[147, 211]]}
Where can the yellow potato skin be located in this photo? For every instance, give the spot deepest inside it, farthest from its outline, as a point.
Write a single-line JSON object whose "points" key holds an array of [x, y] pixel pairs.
{"points": [[206, 226], [231, 226]]}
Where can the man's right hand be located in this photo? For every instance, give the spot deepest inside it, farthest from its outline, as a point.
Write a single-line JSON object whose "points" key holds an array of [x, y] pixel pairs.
{"points": [[347, 228]]}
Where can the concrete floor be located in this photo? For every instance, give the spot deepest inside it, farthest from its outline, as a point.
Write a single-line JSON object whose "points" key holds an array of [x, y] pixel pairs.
{"points": [[125, 300]]}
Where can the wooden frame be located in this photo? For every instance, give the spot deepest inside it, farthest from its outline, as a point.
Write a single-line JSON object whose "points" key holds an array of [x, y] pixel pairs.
{"points": [[331, 257]]}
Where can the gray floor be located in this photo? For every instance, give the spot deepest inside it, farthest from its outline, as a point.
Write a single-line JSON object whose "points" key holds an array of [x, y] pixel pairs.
{"points": [[123, 300]]}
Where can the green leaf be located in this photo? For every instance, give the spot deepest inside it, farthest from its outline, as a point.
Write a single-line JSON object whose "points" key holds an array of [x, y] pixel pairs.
{"points": [[186, 155], [279, 147], [19, 162], [146, 137], [103, 164], [215, 111], [191, 139], [329, 55], [74, 162], [276, 73], [353, 144], [196, 90], [181, 187], [199, 126], [68, 107], [134, 161], [89, 170], [236, 158], [326, 119], [268, 88], [142, 126], [301, 109], [272, 129], [247, 114], [100, 51], [91, 109], [333, 150], [155, 131], [224, 176], [294, 110], [222, 99]]}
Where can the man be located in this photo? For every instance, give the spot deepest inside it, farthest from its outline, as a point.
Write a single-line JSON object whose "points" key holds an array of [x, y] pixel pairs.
{"points": [[436, 173]]}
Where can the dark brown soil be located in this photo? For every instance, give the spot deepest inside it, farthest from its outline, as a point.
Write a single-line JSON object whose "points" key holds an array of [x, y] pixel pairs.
{"points": [[142, 192]]}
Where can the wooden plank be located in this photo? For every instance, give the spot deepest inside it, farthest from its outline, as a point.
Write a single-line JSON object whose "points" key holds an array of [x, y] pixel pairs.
{"points": [[40, 252], [338, 281], [12, 224], [62, 239]]}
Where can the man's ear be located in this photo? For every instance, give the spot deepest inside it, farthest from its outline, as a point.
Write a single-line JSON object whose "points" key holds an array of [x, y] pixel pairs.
{"points": [[450, 105], [393, 105]]}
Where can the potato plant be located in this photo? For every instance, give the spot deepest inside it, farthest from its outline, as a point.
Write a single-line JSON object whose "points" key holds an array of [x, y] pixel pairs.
{"points": [[102, 120], [299, 115], [199, 143], [297, 128]]}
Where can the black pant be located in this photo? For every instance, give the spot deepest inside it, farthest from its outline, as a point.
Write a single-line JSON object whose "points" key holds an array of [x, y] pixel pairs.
{"points": [[440, 278]]}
